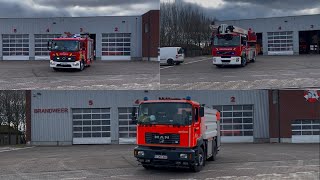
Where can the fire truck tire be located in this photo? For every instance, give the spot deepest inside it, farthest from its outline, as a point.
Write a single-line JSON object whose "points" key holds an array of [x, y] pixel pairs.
{"points": [[243, 62], [147, 167], [170, 62], [219, 66], [253, 60], [178, 63], [81, 66], [215, 151], [200, 161]]}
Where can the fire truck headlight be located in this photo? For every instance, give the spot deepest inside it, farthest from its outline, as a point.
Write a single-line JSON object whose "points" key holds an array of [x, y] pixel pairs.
{"points": [[184, 156], [237, 59], [58, 58], [140, 153], [69, 59], [76, 64]]}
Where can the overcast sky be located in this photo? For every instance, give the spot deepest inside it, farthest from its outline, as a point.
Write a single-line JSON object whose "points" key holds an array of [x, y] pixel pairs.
{"points": [[247, 9], [75, 8]]}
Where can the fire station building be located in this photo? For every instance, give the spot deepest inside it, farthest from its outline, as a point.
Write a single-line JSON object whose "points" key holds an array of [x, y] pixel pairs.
{"points": [[104, 117], [290, 35], [115, 37]]}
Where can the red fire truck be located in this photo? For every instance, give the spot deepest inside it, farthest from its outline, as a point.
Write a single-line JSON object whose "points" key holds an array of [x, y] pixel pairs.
{"points": [[174, 132], [232, 45], [71, 51]]}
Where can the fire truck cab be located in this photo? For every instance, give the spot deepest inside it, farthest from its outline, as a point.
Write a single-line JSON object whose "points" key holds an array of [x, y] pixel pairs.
{"points": [[72, 51], [174, 132], [232, 45]]}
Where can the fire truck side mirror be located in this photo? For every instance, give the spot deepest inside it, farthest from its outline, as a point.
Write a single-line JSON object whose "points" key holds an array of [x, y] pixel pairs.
{"points": [[49, 45], [134, 115], [201, 111]]}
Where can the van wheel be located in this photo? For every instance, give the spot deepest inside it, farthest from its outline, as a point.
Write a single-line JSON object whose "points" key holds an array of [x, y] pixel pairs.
{"points": [[170, 62], [215, 151], [200, 161]]}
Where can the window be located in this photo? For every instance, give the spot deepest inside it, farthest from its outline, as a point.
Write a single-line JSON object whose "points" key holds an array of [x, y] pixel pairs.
{"points": [[116, 44], [236, 120], [15, 45]]}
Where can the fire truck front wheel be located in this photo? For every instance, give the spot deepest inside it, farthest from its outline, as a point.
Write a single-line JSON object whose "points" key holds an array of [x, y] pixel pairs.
{"points": [[81, 66], [243, 61], [200, 160]]}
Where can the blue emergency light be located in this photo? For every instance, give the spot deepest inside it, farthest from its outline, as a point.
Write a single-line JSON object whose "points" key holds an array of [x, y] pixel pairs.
{"points": [[145, 98], [188, 98]]}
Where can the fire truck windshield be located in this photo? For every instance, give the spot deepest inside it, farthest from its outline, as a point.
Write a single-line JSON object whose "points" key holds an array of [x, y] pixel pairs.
{"points": [[226, 40], [64, 45], [165, 113]]}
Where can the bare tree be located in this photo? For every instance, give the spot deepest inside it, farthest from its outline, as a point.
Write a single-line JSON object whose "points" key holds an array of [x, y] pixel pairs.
{"points": [[12, 111], [184, 25]]}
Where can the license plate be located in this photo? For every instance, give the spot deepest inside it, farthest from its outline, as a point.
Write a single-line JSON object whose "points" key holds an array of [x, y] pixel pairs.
{"points": [[160, 157], [225, 62]]}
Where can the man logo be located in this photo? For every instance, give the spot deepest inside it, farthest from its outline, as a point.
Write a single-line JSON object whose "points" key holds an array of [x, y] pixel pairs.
{"points": [[161, 140]]}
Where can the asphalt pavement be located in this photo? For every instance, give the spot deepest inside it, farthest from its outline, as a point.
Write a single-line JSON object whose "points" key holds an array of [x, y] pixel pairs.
{"points": [[268, 72], [101, 75], [234, 161]]}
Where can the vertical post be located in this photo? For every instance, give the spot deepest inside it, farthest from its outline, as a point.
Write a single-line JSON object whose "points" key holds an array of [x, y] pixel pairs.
{"points": [[149, 35], [278, 113]]}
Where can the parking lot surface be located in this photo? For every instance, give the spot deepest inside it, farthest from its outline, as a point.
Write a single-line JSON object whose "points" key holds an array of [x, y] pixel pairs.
{"points": [[102, 75], [268, 72], [234, 161]]}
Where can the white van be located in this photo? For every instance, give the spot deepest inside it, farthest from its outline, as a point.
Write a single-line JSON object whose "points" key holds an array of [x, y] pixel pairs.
{"points": [[171, 55]]}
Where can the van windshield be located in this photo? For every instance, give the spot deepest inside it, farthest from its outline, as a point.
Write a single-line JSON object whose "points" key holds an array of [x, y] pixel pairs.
{"points": [[180, 51]]}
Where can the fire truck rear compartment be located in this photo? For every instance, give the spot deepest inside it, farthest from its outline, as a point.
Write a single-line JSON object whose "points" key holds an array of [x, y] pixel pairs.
{"points": [[165, 157]]}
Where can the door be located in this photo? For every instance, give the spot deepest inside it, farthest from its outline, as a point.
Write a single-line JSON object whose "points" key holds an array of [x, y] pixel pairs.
{"points": [[236, 124], [305, 131], [91, 126], [15, 46], [116, 46], [127, 130]]}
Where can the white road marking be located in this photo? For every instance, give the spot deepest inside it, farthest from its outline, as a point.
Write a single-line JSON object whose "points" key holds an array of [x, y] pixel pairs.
{"points": [[14, 149], [185, 63], [74, 178], [262, 75], [229, 76], [313, 165], [244, 168], [280, 166], [288, 74]]}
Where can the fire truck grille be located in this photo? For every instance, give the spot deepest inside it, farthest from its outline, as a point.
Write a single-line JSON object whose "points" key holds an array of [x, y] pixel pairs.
{"points": [[226, 53], [64, 58], [156, 138]]}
